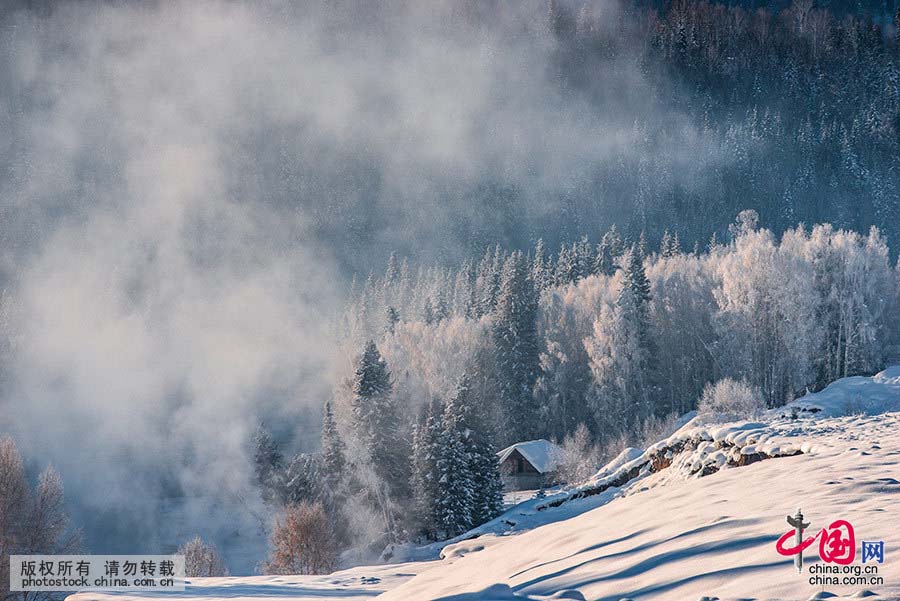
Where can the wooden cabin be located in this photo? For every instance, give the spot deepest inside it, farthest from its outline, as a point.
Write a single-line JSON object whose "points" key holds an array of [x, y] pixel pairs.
{"points": [[526, 465]]}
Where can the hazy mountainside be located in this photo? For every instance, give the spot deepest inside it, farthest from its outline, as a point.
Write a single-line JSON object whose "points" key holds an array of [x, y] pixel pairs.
{"points": [[880, 11], [188, 188]]}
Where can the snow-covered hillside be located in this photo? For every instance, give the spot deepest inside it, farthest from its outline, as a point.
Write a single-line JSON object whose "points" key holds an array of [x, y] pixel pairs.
{"points": [[694, 516]]}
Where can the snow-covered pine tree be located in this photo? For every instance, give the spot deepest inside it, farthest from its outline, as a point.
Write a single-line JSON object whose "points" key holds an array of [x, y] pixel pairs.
{"points": [[462, 290], [468, 414], [642, 247], [441, 307], [304, 480], [487, 281], [375, 420], [634, 280], [664, 243], [418, 519], [609, 249], [425, 476], [455, 486], [621, 354], [428, 312], [566, 266], [540, 269], [633, 303], [584, 258], [392, 318], [333, 448], [517, 348], [268, 463]]}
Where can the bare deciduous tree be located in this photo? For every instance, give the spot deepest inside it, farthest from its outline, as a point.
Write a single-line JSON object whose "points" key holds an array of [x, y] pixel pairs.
{"points": [[302, 542]]}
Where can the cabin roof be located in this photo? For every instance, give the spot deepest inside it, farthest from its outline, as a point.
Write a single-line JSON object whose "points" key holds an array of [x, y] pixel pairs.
{"points": [[542, 454]]}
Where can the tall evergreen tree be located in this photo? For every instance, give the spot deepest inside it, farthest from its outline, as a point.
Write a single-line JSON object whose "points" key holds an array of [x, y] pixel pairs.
{"points": [[375, 419], [584, 258], [487, 281], [333, 448], [634, 306], [455, 489], [425, 476], [540, 269], [664, 244], [634, 279], [642, 247], [517, 345], [609, 249], [304, 481], [467, 413], [392, 318], [566, 266], [428, 315], [269, 466]]}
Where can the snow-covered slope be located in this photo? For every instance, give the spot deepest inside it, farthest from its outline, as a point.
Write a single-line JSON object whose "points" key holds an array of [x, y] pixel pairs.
{"points": [[713, 535], [355, 584], [696, 515], [854, 395]]}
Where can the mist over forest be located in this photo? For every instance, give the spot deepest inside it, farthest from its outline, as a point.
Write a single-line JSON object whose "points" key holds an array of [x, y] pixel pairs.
{"points": [[207, 210]]}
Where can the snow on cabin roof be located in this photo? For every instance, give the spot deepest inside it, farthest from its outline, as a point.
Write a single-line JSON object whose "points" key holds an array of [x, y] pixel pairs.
{"points": [[542, 454]]}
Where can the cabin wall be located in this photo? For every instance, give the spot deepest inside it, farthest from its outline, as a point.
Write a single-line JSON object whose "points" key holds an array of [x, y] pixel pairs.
{"points": [[517, 473]]}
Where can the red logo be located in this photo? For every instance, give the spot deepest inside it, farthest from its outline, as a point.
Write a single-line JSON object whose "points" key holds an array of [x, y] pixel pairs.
{"points": [[837, 543]]}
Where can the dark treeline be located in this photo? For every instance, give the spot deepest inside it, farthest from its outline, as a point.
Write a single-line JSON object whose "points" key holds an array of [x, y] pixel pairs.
{"points": [[795, 114]]}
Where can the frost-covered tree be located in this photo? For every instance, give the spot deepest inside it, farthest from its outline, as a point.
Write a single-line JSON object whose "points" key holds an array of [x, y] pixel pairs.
{"points": [[201, 559], [622, 353], [428, 313], [33, 521], [566, 271], [487, 281], [584, 258], [580, 457], [682, 312], [268, 463], [853, 283], [764, 288], [565, 378], [617, 367], [730, 399], [670, 245]]}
